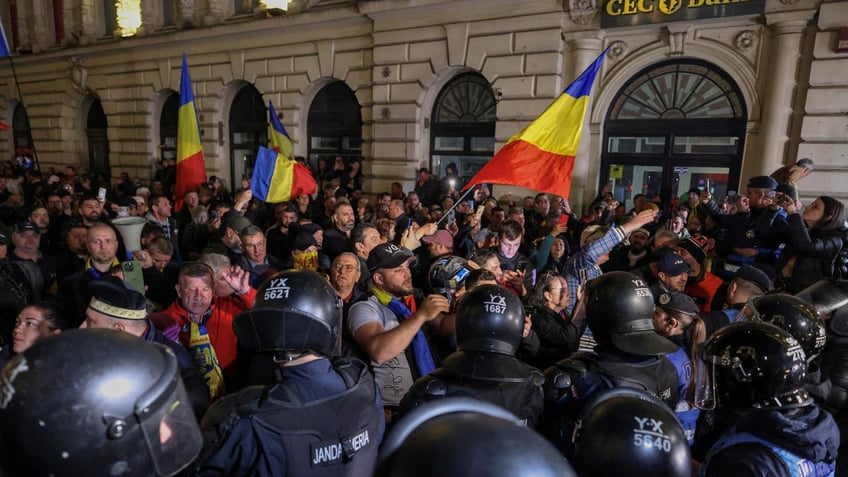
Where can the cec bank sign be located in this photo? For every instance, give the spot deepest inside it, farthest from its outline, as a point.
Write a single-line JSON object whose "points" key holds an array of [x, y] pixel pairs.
{"points": [[619, 13]]}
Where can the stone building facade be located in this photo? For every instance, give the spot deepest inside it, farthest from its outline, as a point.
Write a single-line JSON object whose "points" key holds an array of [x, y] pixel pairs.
{"points": [[397, 57]]}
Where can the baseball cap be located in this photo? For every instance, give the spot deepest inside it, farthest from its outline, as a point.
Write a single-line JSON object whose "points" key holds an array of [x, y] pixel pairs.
{"points": [[387, 255], [673, 264], [442, 237], [25, 226]]}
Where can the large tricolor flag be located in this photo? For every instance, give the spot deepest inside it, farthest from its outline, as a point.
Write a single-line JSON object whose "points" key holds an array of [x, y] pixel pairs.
{"points": [[191, 168], [278, 137], [541, 156], [276, 178]]}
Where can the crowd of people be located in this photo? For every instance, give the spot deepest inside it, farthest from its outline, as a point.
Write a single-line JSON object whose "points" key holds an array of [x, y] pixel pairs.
{"points": [[704, 335]]}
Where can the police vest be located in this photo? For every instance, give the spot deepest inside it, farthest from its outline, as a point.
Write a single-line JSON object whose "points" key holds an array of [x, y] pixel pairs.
{"points": [[797, 466], [656, 377], [335, 436], [686, 414], [524, 398]]}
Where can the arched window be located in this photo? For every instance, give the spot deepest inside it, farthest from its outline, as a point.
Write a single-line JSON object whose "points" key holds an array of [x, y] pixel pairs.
{"points": [[248, 131], [675, 126], [334, 125], [168, 128], [463, 126]]}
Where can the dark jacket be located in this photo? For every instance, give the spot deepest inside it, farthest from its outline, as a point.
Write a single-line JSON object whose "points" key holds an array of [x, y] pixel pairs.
{"points": [[810, 433], [558, 338], [814, 252]]}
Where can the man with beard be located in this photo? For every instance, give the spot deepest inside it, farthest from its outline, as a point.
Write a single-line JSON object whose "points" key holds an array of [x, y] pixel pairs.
{"points": [[280, 235], [389, 326], [625, 258], [337, 237], [90, 211], [672, 272]]}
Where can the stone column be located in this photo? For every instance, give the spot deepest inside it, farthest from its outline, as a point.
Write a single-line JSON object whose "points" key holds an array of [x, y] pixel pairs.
{"points": [[788, 30], [583, 51], [88, 21], [24, 25], [40, 28]]}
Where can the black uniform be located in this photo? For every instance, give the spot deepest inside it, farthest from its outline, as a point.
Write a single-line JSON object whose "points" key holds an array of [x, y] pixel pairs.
{"points": [[511, 384], [572, 381], [322, 419]]}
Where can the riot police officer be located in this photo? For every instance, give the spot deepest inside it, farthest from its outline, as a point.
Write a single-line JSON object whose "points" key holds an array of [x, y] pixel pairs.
{"points": [[830, 298], [489, 324], [629, 353], [95, 402], [799, 319], [321, 418], [758, 370], [626, 432], [463, 437]]}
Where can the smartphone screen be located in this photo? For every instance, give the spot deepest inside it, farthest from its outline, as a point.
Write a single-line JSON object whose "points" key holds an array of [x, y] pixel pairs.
{"points": [[101, 193]]}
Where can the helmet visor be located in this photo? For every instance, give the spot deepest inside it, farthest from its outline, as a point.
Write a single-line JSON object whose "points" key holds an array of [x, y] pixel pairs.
{"points": [[170, 429]]}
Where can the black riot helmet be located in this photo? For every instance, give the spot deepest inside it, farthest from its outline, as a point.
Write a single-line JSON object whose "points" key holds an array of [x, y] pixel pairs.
{"points": [[793, 315], [295, 311], [463, 437], [489, 318], [756, 365], [95, 402], [619, 309], [447, 274], [624, 432], [829, 296]]}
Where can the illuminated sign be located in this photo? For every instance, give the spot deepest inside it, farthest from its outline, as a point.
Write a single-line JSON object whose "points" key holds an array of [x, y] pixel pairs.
{"points": [[619, 13]]}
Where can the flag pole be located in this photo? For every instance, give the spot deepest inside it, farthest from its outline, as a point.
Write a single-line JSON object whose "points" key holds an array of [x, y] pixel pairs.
{"points": [[444, 216], [21, 98]]}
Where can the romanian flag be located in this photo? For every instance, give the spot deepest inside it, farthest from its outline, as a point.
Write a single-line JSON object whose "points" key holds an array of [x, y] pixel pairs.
{"points": [[191, 168], [277, 178], [278, 137], [541, 156]]}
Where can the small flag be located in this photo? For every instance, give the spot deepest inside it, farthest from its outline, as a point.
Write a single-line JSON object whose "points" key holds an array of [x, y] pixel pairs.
{"points": [[277, 178], [278, 137], [191, 167], [541, 156]]}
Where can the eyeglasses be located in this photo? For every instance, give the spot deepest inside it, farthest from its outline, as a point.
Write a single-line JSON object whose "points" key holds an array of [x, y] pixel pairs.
{"points": [[344, 267]]}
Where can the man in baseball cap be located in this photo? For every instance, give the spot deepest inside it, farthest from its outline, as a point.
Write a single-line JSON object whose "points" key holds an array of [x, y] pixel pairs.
{"points": [[390, 325]]}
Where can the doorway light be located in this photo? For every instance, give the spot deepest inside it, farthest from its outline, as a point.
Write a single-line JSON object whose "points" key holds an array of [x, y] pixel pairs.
{"points": [[128, 14]]}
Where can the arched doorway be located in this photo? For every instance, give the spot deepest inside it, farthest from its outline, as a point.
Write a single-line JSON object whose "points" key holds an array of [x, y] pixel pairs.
{"points": [[463, 126], [98, 142], [676, 125], [248, 131], [22, 135], [168, 128], [334, 125]]}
